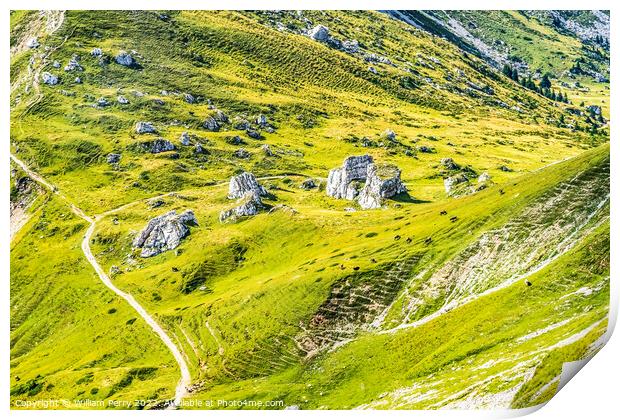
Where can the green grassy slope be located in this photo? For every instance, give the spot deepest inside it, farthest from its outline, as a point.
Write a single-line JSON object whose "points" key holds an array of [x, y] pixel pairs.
{"points": [[400, 307]]}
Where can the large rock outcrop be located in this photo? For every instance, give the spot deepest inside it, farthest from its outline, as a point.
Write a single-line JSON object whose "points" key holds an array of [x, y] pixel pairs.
{"points": [[245, 183], [164, 232], [340, 181], [360, 179], [246, 188], [381, 182]]}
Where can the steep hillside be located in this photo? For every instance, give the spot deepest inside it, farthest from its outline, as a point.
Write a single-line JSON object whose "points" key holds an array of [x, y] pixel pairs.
{"points": [[476, 263]]}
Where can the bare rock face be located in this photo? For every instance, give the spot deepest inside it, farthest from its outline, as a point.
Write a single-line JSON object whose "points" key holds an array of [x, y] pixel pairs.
{"points": [[381, 182], [339, 180], [244, 183], [248, 205], [164, 233], [143, 127]]}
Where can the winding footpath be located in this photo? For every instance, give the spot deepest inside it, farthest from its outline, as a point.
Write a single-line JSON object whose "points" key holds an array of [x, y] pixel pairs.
{"points": [[184, 382]]}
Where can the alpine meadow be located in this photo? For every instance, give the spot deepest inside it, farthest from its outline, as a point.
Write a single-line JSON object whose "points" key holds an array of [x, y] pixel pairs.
{"points": [[306, 209]]}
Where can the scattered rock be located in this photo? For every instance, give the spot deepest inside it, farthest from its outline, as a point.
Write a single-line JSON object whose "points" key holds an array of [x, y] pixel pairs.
{"points": [[189, 98], [380, 181], [389, 134], [425, 149], [211, 124], [266, 150], [96, 52], [351, 46], [143, 127], [73, 65], [451, 182], [234, 140], [185, 139], [261, 120], [505, 168], [253, 134], [246, 182], [78, 80], [125, 59], [113, 158], [102, 102], [122, 100], [449, 164], [484, 177], [248, 205], [33, 43], [283, 208], [373, 70], [199, 149], [164, 233], [241, 153], [319, 33], [49, 78], [155, 203], [241, 124], [156, 146], [56, 64], [308, 184]]}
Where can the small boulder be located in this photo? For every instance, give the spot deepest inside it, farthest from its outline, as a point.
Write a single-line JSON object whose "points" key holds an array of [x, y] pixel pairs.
{"points": [[113, 158], [143, 127], [189, 98], [261, 120], [248, 205], [319, 33], [266, 150], [199, 149], [253, 134], [73, 65], [125, 59], [185, 139], [122, 100], [308, 184], [49, 78], [211, 124], [102, 102], [33, 43], [449, 164], [450, 183], [389, 135], [241, 153], [96, 52], [351, 46], [484, 177]]}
